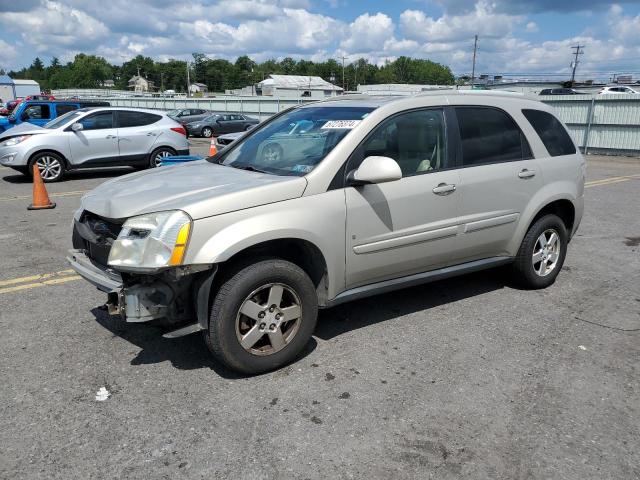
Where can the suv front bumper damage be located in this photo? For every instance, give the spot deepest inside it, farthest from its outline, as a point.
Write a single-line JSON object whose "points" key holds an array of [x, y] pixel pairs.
{"points": [[177, 295]]}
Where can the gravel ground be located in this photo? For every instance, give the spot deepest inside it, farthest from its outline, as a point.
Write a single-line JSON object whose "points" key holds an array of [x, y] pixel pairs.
{"points": [[465, 378]]}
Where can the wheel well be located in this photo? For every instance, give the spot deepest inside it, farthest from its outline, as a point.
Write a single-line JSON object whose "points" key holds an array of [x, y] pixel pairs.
{"points": [[563, 209], [64, 159], [300, 252]]}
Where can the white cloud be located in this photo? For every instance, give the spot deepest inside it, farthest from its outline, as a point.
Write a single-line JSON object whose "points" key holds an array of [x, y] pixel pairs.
{"points": [[369, 32], [531, 27], [415, 24]]}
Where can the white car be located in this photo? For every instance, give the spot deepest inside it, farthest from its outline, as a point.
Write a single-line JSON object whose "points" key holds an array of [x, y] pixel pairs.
{"points": [[617, 90], [93, 137]]}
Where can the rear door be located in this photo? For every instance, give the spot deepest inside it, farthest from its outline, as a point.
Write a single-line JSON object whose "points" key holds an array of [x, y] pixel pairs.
{"points": [[408, 226], [62, 108], [136, 135], [97, 143], [498, 177]]}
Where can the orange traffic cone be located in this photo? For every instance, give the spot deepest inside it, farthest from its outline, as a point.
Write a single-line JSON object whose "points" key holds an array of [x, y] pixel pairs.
{"points": [[40, 195], [212, 148]]}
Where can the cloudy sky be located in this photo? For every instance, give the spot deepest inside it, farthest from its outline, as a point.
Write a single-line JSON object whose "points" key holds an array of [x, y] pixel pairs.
{"points": [[516, 36]]}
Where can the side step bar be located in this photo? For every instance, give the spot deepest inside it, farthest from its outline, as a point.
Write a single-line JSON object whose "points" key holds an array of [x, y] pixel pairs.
{"points": [[181, 332], [417, 279]]}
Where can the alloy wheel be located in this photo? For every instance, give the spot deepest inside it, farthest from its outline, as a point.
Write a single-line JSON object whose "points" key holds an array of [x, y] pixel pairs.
{"points": [[269, 318], [50, 167], [546, 252], [207, 132], [161, 155]]}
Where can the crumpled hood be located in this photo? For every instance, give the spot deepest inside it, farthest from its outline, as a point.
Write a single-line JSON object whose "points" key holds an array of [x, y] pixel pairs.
{"points": [[202, 189], [25, 128]]}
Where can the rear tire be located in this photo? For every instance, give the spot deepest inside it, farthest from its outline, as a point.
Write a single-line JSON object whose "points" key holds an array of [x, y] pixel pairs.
{"points": [[155, 159], [52, 166], [262, 316], [542, 253]]}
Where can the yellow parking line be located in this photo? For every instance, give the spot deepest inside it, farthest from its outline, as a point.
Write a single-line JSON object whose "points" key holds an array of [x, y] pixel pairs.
{"points": [[59, 194], [610, 180], [34, 278], [44, 283]]}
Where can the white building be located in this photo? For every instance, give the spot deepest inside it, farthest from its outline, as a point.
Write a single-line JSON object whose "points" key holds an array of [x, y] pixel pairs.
{"points": [[295, 86], [399, 88], [140, 84], [198, 88]]}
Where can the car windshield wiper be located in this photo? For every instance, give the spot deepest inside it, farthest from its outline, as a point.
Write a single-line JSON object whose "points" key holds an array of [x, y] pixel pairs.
{"points": [[249, 168]]}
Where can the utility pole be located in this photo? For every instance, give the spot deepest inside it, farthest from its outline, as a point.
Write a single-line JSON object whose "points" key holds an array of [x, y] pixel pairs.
{"points": [[343, 57], [188, 81], [578, 51], [473, 68]]}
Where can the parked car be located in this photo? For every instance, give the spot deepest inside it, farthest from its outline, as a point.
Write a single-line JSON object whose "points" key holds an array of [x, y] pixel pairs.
{"points": [[560, 91], [617, 90], [406, 190], [93, 137], [223, 141], [42, 112], [42, 96], [9, 107], [187, 115], [220, 123]]}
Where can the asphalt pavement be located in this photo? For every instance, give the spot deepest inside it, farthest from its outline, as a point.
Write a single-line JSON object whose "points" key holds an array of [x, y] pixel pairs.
{"points": [[464, 378]]}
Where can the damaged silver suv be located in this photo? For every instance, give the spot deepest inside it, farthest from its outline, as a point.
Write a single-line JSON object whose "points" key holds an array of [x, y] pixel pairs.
{"points": [[329, 202]]}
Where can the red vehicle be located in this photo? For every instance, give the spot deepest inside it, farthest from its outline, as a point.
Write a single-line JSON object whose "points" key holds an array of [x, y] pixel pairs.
{"points": [[10, 107], [41, 97]]}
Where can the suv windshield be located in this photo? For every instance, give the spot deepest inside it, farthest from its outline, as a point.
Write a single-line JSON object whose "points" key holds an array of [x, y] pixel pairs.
{"points": [[295, 142], [62, 120]]}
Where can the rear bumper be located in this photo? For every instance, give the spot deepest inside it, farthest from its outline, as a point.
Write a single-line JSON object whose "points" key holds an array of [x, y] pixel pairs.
{"points": [[107, 281]]}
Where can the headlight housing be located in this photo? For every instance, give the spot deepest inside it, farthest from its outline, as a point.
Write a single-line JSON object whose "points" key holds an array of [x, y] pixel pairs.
{"points": [[14, 141], [152, 241]]}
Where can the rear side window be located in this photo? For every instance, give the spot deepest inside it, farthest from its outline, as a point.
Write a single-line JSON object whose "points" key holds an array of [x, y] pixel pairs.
{"points": [[136, 119], [489, 135], [62, 109], [551, 132]]}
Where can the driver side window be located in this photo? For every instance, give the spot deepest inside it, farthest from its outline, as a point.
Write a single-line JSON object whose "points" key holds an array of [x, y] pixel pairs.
{"points": [[416, 140]]}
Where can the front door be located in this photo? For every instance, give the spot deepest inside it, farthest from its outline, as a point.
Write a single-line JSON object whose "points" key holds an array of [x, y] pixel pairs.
{"points": [[97, 143], [410, 225], [37, 113], [498, 178]]}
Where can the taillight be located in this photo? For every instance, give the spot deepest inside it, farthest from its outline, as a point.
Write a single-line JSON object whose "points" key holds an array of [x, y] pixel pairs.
{"points": [[179, 130]]}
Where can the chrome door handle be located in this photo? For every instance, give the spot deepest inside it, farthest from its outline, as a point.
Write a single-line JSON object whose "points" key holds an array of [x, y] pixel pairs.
{"points": [[444, 189], [151, 134], [110, 136], [527, 173]]}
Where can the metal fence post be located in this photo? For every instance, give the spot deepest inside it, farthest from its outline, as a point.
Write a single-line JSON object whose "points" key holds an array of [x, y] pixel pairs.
{"points": [[585, 143]]}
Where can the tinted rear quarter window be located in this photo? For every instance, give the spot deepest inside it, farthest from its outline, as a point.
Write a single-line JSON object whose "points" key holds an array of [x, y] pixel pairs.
{"points": [[61, 109], [136, 119], [552, 133], [489, 135]]}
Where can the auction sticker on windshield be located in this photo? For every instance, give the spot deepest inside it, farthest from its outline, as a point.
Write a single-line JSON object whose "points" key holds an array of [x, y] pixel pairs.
{"points": [[341, 124]]}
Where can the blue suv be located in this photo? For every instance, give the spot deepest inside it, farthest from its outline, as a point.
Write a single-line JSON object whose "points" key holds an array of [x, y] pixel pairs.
{"points": [[41, 112]]}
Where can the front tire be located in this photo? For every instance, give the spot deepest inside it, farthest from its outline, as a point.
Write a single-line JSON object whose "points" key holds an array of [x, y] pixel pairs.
{"points": [[262, 316], [51, 165], [542, 253], [207, 132]]}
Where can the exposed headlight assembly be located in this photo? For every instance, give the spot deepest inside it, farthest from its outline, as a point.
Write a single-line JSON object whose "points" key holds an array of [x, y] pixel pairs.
{"points": [[14, 141], [152, 241]]}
